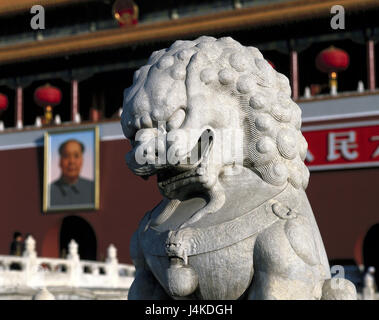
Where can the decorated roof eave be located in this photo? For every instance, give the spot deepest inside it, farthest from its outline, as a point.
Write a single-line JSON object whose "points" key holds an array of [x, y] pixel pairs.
{"points": [[22, 6], [174, 29]]}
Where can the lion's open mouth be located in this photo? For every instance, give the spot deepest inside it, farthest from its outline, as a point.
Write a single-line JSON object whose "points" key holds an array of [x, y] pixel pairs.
{"points": [[190, 170]]}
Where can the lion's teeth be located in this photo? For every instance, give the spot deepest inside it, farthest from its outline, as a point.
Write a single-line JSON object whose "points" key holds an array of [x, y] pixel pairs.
{"points": [[181, 179]]}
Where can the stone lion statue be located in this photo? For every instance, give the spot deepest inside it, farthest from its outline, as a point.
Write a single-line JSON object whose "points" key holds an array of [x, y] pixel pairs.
{"points": [[216, 124]]}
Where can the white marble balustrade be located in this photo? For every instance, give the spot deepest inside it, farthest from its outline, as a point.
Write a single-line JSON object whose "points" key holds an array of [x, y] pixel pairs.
{"points": [[38, 272]]}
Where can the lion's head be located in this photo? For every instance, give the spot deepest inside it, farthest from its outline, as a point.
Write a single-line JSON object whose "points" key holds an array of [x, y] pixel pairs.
{"points": [[220, 89]]}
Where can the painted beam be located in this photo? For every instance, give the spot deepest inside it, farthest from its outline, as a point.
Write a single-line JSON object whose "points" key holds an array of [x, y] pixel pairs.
{"points": [[19, 6], [180, 28]]}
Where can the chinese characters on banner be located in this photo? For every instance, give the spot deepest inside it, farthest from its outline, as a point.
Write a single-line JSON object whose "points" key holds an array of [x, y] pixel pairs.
{"points": [[342, 147]]}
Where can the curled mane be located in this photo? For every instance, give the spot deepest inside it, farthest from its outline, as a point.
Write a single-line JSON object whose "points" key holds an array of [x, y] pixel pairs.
{"points": [[274, 146]]}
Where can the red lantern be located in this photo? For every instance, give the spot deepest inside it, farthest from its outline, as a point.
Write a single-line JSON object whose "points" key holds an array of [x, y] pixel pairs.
{"points": [[47, 96], [331, 61], [3, 102], [125, 12]]}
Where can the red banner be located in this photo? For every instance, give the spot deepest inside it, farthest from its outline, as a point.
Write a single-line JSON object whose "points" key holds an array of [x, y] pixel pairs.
{"points": [[342, 146]]}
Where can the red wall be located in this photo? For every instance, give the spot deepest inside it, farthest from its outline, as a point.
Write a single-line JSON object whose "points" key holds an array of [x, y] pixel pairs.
{"points": [[124, 199], [345, 203]]}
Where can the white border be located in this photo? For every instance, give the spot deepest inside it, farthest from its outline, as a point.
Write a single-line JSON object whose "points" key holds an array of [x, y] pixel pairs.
{"points": [[21, 146], [40, 144], [341, 116], [340, 125], [325, 167], [114, 137]]}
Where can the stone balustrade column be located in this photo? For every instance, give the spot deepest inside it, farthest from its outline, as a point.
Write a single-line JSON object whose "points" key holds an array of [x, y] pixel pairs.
{"points": [[369, 284], [30, 263], [75, 269], [112, 265]]}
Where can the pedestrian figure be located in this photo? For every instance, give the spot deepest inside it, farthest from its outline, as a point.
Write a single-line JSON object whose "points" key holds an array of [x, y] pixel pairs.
{"points": [[17, 245]]}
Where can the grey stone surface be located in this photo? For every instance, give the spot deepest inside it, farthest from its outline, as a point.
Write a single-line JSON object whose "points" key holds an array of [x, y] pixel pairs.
{"points": [[64, 293], [43, 294], [216, 124], [343, 107]]}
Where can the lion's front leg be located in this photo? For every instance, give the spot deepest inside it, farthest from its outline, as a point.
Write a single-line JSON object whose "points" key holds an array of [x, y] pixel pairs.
{"points": [[145, 286], [270, 286], [286, 264]]}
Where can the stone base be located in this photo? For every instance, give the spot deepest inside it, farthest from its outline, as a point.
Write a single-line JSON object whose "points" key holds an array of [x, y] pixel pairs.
{"points": [[66, 293]]}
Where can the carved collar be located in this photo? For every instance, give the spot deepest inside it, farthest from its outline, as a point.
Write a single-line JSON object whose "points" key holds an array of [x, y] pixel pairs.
{"points": [[193, 241]]}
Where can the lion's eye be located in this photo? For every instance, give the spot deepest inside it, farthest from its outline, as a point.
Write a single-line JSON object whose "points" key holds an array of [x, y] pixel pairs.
{"points": [[176, 120]]}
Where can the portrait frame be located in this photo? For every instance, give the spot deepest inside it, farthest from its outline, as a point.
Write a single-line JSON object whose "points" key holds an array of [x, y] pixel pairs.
{"points": [[88, 181]]}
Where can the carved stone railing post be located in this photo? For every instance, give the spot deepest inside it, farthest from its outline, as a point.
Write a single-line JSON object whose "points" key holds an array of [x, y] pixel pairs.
{"points": [[30, 266], [112, 265], [74, 265], [38, 273], [369, 284], [73, 252], [30, 248]]}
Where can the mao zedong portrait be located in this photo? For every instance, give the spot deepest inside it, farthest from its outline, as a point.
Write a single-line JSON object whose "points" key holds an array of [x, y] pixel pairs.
{"points": [[71, 188]]}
